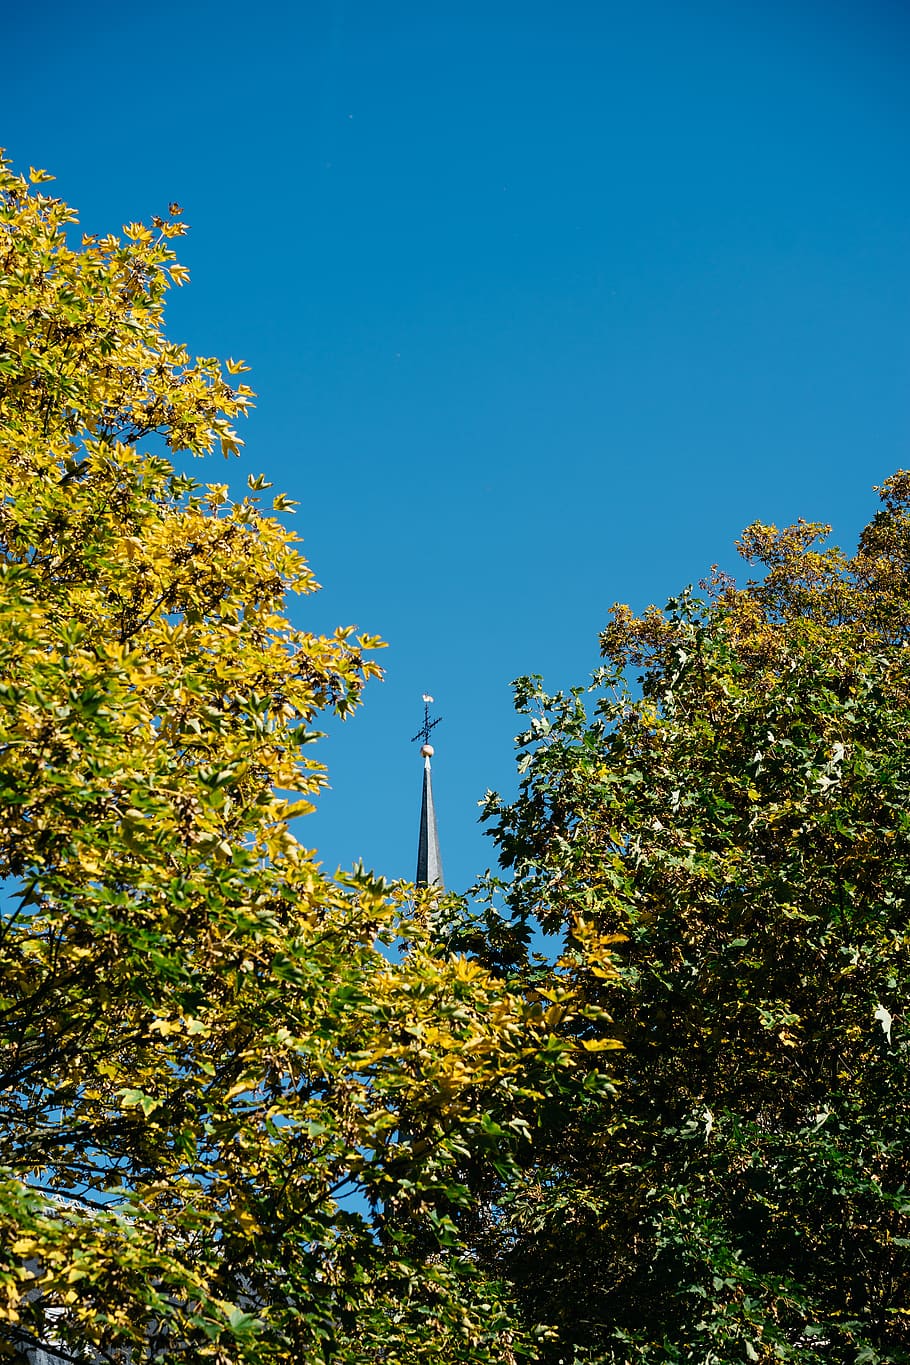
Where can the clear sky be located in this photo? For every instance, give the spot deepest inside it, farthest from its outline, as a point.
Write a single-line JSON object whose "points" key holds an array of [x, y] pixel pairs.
{"points": [[544, 303]]}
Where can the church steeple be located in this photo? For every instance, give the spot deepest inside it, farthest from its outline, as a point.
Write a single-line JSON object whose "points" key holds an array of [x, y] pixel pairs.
{"points": [[429, 863]]}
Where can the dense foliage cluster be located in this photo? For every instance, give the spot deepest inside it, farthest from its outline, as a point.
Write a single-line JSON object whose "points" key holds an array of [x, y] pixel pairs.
{"points": [[252, 1114], [738, 823], [236, 1096]]}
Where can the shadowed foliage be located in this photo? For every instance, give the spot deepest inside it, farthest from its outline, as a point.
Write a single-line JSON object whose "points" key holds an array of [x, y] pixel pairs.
{"points": [[737, 827]]}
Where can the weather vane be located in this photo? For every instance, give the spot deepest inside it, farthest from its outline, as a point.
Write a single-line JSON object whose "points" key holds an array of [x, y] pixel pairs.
{"points": [[424, 732]]}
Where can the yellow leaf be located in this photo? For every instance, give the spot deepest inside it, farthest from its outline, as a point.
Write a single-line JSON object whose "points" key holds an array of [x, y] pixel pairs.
{"points": [[248, 1222], [240, 1087], [132, 545], [295, 808]]}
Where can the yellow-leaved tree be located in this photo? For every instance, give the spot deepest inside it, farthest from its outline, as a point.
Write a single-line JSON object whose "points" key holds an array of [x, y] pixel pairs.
{"points": [[206, 1044]]}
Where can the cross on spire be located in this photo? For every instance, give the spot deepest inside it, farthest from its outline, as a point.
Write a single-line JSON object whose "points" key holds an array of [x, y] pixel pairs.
{"points": [[424, 731]]}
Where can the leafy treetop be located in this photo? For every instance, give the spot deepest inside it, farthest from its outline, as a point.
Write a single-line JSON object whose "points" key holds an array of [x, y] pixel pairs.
{"points": [[206, 1043], [735, 827]]}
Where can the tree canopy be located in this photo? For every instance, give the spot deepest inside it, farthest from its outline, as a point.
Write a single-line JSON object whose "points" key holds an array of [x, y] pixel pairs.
{"points": [[237, 1096], [728, 806], [254, 1115]]}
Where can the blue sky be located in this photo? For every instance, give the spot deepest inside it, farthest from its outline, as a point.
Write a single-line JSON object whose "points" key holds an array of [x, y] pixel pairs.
{"points": [[544, 304]]}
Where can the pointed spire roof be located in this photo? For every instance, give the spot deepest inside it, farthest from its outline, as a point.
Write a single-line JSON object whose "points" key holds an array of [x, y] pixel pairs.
{"points": [[429, 862]]}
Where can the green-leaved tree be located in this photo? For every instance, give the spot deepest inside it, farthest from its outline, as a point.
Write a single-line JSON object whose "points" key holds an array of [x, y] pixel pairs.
{"points": [[734, 830]]}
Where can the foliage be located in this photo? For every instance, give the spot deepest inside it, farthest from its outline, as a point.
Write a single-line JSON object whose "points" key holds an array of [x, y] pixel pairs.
{"points": [[236, 1095], [735, 831]]}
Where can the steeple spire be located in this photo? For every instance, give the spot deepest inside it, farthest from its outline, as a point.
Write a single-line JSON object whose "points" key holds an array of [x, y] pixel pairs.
{"points": [[429, 863]]}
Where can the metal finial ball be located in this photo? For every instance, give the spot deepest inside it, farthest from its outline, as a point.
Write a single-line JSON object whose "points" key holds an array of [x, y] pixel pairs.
{"points": [[427, 750]]}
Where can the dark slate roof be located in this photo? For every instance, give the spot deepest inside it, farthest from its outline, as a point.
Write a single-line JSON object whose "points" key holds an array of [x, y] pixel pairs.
{"points": [[429, 863]]}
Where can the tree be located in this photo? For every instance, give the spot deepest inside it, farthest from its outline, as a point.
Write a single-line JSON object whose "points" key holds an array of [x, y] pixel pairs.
{"points": [[206, 1043], [734, 830]]}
